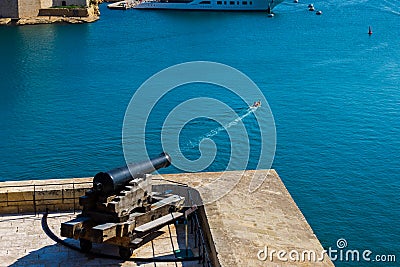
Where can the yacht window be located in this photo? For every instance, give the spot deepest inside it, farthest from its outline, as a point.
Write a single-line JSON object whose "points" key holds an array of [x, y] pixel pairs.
{"points": [[232, 2], [219, 2], [251, 2], [224, 2], [244, 2]]}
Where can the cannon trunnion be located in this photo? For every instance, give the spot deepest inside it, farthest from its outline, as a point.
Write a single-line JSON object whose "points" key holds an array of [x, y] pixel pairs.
{"points": [[122, 210]]}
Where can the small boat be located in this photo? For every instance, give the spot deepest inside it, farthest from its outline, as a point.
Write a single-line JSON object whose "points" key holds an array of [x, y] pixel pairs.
{"points": [[319, 12], [256, 104], [122, 5]]}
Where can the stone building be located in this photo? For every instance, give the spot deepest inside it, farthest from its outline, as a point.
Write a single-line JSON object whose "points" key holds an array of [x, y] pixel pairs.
{"points": [[30, 8], [71, 2]]}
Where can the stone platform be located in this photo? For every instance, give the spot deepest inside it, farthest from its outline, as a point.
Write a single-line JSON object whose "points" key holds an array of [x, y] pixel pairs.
{"points": [[243, 223], [243, 228], [24, 243]]}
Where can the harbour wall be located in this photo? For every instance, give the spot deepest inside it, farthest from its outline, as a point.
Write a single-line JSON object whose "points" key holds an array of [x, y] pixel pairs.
{"points": [[70, 2], [67, 12], [30, 8], [22, 8]]}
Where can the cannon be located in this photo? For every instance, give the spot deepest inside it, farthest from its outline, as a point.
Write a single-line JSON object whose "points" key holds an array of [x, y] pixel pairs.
{"points": [[110, 182], [122, 210]]}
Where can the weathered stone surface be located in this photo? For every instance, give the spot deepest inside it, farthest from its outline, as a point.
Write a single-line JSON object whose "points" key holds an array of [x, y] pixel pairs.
{"points": [[10, 209], [23, 243], [240, 224], [29, 8], [243, 223], [5, 21], [67, 12], [62, 194], [48, 20]]}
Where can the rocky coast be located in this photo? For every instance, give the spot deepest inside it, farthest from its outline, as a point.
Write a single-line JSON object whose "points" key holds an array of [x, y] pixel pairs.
{"points": [[58, 15]]}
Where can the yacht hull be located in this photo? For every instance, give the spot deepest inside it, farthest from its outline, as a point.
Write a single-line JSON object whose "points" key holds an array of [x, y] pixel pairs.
{"points": [[213, 5]]}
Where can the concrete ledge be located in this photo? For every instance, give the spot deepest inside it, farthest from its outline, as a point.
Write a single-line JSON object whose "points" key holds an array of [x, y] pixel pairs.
{"points": [[242, 223]]}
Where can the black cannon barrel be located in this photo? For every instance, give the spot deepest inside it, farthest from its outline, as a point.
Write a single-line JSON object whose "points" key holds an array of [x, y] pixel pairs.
{"points": [[113, 180]]}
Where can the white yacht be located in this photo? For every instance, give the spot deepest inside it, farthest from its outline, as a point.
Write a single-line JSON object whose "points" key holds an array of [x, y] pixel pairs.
{"points": [[228, 5]]}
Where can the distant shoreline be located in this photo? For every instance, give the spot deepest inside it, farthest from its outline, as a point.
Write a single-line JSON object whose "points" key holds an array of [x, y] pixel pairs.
{"points": [[57, 15]]}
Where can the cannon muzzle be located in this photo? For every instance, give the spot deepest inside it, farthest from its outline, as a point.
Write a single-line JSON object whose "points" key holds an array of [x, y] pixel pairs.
{"points": [[112, 181]]}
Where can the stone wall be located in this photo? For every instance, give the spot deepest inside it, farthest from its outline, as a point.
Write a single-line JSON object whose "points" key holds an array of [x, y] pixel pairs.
{"points": [[71, 2], [46, 3], [30, 8], [67, 12], [37, 196], [9, 9]]}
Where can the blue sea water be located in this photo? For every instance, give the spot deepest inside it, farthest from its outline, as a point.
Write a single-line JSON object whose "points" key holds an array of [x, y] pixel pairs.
{"points": [[334, 92]]}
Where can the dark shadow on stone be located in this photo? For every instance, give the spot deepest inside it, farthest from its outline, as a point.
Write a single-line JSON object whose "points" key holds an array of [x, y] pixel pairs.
{"points": [[59, 255], [67, 253], [191, 195]]}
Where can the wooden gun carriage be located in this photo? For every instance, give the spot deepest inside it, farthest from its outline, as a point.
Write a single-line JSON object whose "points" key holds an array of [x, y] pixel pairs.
{"points": [[122, 210]]}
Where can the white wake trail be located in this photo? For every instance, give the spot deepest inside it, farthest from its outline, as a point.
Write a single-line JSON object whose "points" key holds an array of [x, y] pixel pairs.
{"points": [[217, 130]]}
